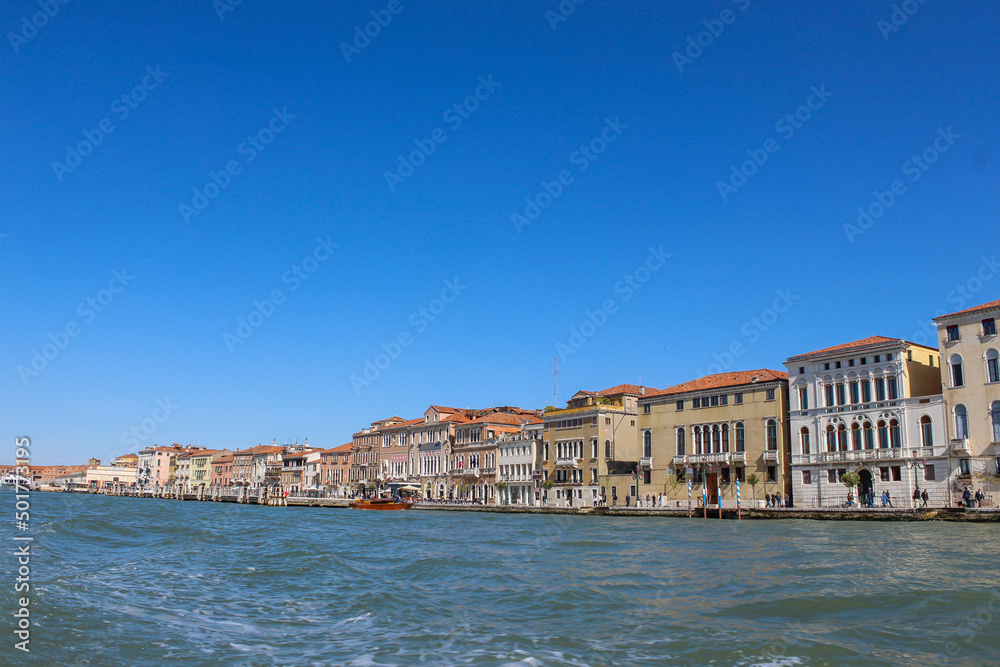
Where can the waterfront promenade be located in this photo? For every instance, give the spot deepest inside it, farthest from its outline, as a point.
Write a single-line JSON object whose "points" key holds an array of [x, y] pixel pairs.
{"points": [[262, 497]]}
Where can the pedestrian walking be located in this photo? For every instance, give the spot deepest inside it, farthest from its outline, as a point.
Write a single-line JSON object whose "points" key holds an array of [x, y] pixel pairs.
{"points": [[916, 496], [885, 498], [788, 500], [979, 497], [923, 498], [967, 497], [767, 499], [888, 498]]}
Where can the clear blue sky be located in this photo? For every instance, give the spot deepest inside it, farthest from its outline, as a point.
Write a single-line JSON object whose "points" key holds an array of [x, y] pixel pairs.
{"points": [[674, 135]]}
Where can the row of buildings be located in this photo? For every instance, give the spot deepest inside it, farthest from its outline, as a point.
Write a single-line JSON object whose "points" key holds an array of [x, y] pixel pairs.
{"points": [[903, 416]]}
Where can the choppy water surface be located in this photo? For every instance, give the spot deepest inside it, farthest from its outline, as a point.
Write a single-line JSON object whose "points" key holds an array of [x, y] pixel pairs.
{"points": [[138, 581]]}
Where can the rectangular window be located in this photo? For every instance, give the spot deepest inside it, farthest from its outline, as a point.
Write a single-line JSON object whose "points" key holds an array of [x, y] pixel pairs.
{"points": [[838, 364], [772, 473], [593, 421], [740, 474], [738, 398], [866, 391], [953, 333], [864, 360], [803, 399], [850, 362], [826, 366], [802, 370], [989, 327], [680, 474], [829, 395], [929, 472], [807, 477], [883, 474], [725, 475], [680, 405], [714, 400], [724, 399], [768, 394], [897, 473], [646, 476], [607, 421], [893, 391], [695, 402], [909, 355], [697, 476], [841, 396], [645, 408], [877, 358], [831, 476], [855, 396], [593, 449], [963, 467], [992, 369], [880, 389]]}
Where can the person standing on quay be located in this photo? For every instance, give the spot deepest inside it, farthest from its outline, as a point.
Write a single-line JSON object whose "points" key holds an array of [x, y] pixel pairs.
{"points": [[916, 497], [979, 497], [967, 497], [884, 499]]}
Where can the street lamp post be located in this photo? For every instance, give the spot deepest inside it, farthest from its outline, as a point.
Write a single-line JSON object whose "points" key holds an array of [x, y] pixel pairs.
{"points": [[913, 465]]}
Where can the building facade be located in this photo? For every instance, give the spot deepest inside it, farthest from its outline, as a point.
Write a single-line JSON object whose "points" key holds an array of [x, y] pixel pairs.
{"points": [[874, 407], [713, 432], [970, 375]]}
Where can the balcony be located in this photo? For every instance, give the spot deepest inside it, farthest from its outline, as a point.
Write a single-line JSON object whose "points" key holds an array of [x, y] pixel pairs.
{"points": [[771, 455], [646, 462], [568, 462], [680, 460], [718, 457], [960, 446], [739, 457]]}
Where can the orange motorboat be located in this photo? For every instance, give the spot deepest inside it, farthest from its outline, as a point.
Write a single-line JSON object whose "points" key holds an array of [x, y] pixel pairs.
{"points": [[379, 504]]}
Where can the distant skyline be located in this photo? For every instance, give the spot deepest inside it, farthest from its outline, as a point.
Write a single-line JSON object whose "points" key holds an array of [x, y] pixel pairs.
{"points": [[247, 222]]}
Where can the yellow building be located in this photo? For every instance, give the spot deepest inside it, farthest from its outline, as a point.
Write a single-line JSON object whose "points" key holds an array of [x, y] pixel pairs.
{"points": [[712, 432], [970, 373], [590, 449]]}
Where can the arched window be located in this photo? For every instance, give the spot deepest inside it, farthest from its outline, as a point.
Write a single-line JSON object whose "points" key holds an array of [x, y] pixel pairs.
{"points": [[741, 444], [725, 437], [961, 422], [680, 442], [869, 435], [957, 377], [926, 432], [831, 439], [883, 435], [716, 439], [992, 366], [772, 435], [607, 449], [995, 420], [697, 440], [897, 436], [855, 436], [842, 438], [647, 444], [804, 440]]}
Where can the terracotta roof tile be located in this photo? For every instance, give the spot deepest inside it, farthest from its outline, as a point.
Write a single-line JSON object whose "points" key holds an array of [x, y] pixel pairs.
{"points": [[871, 341], [985, 306], [625, 389], [506, 418], [720, 380]]}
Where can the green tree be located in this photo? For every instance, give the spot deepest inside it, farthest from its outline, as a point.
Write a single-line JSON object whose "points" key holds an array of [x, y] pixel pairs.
{"points": [[850, 479], [753, 480]]}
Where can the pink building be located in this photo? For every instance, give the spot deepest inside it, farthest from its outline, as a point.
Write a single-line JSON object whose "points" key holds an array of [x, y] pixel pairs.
{"points": [[222, 470]]}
